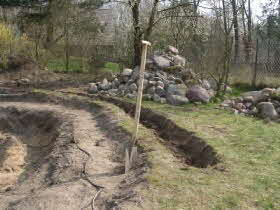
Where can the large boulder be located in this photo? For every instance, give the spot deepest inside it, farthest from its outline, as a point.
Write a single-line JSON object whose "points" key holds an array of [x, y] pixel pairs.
{"points": [[161, 61], [92, 88], [256, 96], [179, 60], [172, 50], [180, 90], [267, 110], [198, 94], [177, 100]]}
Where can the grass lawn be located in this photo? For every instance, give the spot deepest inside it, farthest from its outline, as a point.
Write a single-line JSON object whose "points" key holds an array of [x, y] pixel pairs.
{"points": [[76, 66], [247, 177]]}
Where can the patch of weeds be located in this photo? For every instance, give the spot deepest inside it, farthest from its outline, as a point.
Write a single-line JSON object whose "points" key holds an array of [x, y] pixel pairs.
{"points": [[113, 67]]}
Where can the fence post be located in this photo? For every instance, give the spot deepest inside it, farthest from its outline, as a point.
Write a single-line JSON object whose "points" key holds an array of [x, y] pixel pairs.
{"points": [[254, 80]]}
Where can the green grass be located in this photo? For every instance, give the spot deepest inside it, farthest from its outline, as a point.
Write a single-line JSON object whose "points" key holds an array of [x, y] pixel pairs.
{"points": [[250, 151], [113, 67], [75, 65]]}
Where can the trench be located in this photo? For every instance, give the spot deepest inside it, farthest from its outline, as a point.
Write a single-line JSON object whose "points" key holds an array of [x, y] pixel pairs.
{"points": [[27, 137], [192, 149], [185, 145]]}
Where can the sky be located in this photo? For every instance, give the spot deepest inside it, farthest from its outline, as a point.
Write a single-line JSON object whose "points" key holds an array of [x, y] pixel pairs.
{"points": [[257, 7]]}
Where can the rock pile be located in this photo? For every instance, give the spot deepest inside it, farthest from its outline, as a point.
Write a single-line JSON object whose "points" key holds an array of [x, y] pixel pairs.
{"points": [[173, 87], [264, 104]]}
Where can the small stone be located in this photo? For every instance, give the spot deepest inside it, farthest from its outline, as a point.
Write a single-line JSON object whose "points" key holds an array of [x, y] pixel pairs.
{"points": [[178, 81], [205, 84], [147, 97], [179, 61], [160, 84], [127, 72], [133, 87], [156, 98], [151, 90], [177, 100], [160, 91], [92, 89], [131, 96], [172, 50], [163, 100]]}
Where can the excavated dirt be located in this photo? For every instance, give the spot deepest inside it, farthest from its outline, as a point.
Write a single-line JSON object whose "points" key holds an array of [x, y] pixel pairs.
{"points": [[64, 157], [185, 144]]}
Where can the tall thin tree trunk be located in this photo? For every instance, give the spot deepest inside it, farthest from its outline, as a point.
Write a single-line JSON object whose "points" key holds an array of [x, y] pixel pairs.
{"points": [[249, 39], [50, 24], [148, 31], [236, 31], [137, 32]]}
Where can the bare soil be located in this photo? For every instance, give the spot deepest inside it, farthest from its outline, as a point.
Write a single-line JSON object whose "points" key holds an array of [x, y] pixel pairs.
{"points": [[58, 157]]}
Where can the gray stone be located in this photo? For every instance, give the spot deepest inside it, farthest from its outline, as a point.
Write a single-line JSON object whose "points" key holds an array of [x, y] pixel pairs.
{"points": [[239, 106], [227, 103], [115, 83], [163, 100], [278, 110], [177, 100], [213, 84], [256, 96], [269, 91], [177, 89], [198, 94], [179, 61], [178, 81], [127, 72], [253, 111], [105, 85], [133, 87], [211, 93], [205, 84], [130, 95], [160, 84], [157, 79], [172, 50], [276, 104], [152, 83], [171, 78], [156, 98], [151, 90], [267, 110], [147, 97], [161, 62], [160, 91], [113, 91], [92, 89]]}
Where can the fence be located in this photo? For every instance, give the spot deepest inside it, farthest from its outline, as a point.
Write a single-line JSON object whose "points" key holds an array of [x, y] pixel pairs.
{"points": [[263, 69]]}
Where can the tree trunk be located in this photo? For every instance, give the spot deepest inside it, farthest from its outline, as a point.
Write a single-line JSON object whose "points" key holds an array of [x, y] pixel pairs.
{"points": [[135, 6], [50, 25], [148, 31], [249, 39], [236, 31]]}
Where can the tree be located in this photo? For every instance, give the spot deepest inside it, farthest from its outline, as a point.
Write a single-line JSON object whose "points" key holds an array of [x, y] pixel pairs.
{"points": [[236, 29]]}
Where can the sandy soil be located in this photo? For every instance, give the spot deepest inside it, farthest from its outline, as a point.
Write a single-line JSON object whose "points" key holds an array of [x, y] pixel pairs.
{"points": [[61, 158]]}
